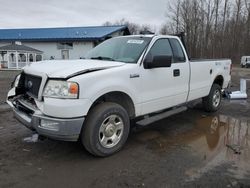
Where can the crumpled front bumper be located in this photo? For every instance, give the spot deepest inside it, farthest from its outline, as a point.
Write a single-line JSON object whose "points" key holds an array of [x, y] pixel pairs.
{"points": [[55, 128]]}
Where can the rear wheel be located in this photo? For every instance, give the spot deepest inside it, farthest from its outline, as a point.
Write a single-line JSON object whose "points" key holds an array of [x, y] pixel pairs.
{"points": [[106, 129], [212, 102]]}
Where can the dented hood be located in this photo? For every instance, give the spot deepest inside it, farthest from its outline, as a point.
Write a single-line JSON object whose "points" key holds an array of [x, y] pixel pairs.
{"points": [[69, 68]]}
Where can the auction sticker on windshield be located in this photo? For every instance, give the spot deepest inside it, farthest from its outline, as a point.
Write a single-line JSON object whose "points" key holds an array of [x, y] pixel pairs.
{"points": [[135, 41]]}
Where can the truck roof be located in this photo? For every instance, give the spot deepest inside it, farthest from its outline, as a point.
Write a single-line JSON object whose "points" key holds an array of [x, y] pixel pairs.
{"points": [[151, 36]]}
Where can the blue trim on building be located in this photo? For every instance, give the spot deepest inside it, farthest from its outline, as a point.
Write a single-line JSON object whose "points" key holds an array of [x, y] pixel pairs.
{"points": [[60, 34]]}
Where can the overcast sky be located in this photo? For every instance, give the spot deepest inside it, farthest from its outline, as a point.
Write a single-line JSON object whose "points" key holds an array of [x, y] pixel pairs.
{"points": [[62, 13]]}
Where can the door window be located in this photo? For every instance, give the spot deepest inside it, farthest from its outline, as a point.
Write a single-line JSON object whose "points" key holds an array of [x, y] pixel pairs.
{"points": [[177, 51], [160, 48]]}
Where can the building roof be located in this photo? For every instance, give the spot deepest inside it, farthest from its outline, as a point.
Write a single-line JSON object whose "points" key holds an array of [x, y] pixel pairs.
{"points": [[63, 33], [16, 47]]}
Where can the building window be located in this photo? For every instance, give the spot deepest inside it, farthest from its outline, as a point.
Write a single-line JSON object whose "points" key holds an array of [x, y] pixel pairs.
{"points": [[12, 57], [38, 57], [31, 58], [65, 46], [22, 58]]}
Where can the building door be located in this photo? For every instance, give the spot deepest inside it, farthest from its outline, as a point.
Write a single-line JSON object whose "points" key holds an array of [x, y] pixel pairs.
{"points": [[65, 54]]}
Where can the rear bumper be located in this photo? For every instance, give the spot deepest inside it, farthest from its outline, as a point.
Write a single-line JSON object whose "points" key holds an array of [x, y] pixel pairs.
{"points": [[55, 128]]}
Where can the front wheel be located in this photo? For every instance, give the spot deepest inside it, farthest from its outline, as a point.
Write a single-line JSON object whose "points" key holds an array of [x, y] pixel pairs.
{"points": [[106, 129], [212, 102]]}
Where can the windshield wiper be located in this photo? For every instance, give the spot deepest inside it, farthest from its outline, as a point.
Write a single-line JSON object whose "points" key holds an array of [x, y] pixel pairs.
{"points": [[103, 58]]}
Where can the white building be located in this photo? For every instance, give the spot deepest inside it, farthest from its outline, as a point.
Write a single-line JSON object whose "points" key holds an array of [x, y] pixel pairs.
{"points": [[19, 47]]}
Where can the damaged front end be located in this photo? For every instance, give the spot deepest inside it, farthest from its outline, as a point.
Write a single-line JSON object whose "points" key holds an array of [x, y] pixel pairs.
{"points": [[25, 90], [26, 100]]}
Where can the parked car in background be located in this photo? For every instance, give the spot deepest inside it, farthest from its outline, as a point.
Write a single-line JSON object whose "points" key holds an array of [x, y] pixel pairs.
{"points": [[245, 61]]}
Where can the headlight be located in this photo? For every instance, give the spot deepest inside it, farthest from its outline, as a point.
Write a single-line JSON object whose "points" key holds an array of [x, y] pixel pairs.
{"points": [[61, 89], [16, 81]]}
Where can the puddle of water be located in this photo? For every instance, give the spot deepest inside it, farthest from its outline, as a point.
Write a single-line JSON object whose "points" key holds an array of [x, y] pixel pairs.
{"points": [[224, 140], [212, 140]]}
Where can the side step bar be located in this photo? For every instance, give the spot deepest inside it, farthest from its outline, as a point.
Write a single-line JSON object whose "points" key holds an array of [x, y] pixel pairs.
{"points": [[160, 116]]}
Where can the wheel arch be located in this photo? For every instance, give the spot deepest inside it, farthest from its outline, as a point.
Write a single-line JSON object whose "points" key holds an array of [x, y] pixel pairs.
{"points": [[118, 97], [219, 79]]}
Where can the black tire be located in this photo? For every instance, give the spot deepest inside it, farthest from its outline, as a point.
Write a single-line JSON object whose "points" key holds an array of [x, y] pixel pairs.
{"points": [[242, 66], [209, 102], [91, 133]]}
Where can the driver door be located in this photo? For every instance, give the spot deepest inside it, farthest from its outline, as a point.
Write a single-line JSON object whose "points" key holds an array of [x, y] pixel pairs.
{"points": [[164, 87]]}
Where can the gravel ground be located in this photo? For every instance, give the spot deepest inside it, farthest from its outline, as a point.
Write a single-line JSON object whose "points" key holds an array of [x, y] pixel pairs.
{"points": [[6, 77], [191, 149]]}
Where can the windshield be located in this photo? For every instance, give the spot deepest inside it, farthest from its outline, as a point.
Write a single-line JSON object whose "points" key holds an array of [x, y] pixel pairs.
{"points": [[123, 49]]}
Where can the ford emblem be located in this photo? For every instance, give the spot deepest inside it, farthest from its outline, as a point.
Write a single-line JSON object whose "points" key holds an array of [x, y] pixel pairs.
{"points": [[30, 84]]}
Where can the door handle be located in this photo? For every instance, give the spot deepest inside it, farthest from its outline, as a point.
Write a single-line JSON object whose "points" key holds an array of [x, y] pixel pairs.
{"points": [[177, 72]]}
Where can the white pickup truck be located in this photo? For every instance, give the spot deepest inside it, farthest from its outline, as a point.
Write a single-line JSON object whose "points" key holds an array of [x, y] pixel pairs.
{"points": [[122, 79]]}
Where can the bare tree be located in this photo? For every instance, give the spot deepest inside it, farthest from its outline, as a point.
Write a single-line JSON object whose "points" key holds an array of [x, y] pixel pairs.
{"points": [[214, 28], [133, 27], [166, 30], [174, 12], [247, 28]]}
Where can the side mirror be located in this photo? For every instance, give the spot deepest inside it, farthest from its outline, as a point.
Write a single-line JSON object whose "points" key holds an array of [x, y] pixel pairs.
{"points": [[158, 62]]}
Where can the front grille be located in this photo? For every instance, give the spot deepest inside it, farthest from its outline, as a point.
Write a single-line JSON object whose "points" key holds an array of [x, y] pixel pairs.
{"points": [[32, 84]]}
